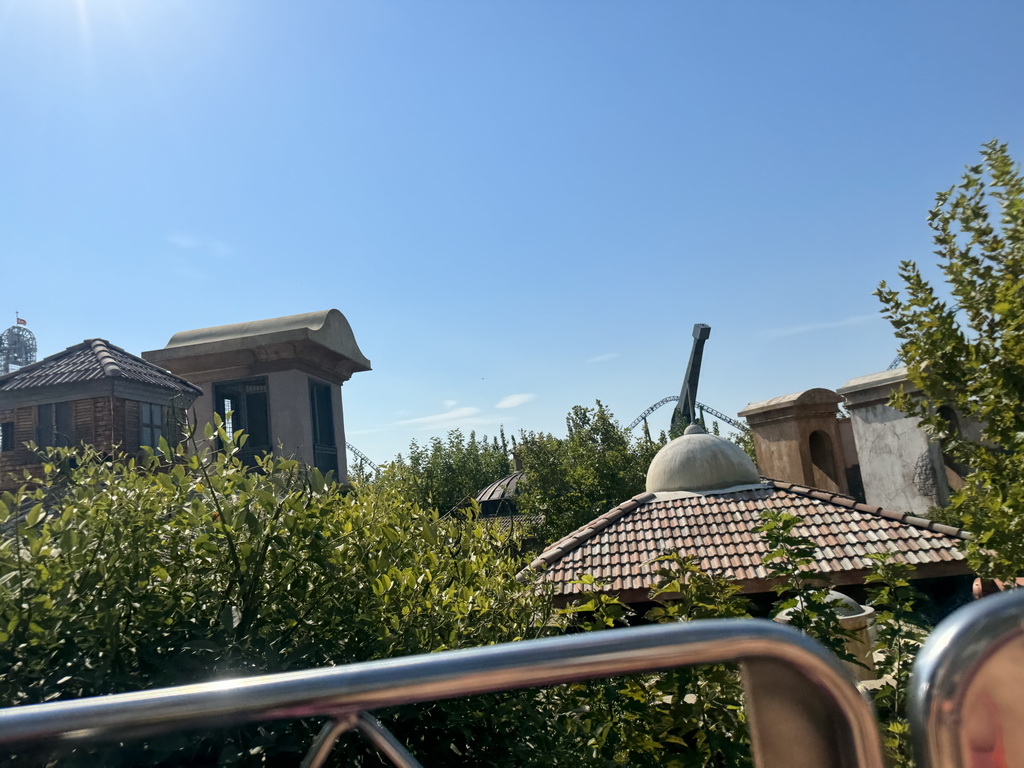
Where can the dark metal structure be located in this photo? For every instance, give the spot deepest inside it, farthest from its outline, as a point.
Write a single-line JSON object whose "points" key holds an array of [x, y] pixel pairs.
{"points": [[17, 348], [687, 403], [362, 457], [700, 407]]}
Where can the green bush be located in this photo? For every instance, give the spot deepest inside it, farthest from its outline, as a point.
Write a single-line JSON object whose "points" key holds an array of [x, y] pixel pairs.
{"points": [[118, 575]]}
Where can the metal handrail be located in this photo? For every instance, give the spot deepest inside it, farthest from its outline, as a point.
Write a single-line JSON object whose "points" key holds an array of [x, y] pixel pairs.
{"points": [[803, 710], [966, 683]]}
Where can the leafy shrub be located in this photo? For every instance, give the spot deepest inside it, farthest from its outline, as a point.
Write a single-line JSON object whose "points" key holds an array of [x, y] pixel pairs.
{"points": [[691, 717], [119, 574]]}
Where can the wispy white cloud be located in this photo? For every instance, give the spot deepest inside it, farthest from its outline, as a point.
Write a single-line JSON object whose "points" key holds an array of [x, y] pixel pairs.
{"points": [[216, 248], [796, 330], [514, 401], [449, 404], [450, 418], [603, 358], [183, 241]]}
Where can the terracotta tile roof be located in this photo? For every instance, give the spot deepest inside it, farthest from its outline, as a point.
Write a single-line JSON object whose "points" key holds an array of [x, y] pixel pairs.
{"points": [[719, 530], [92, 360]]}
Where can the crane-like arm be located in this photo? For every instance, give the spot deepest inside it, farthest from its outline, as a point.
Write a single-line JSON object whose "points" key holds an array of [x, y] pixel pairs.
{"points": [[687, 404]]}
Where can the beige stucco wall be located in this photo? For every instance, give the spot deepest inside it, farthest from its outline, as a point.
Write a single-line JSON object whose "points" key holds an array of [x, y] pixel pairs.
{"points": [[201, 412], [778, 456], [782, 429]]}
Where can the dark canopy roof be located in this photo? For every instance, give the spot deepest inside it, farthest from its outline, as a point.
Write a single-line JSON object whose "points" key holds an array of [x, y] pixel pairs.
{"points": [[94, 360]]}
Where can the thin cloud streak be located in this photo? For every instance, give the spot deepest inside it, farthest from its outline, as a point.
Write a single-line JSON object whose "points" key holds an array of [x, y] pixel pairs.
{"points": [[453, 416], [514, 401], [186, 242], [796, 330], [603, 358]]}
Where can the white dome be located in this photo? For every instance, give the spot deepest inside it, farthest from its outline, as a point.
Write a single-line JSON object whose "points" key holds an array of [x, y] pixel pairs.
{"points": [[698, 461]]}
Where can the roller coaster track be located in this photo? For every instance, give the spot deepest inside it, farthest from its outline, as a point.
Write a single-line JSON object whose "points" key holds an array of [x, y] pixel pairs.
{"points": [[362, 457], [670, 399], [700, 406]]}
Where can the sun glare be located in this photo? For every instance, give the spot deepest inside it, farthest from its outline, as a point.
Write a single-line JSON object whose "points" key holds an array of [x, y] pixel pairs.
{"points": [[84, 22]]}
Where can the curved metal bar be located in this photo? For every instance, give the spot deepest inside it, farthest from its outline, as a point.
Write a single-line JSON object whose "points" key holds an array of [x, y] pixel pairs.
{"points": [[766, 648], [325, 741], [965, 691], [385, 741]]}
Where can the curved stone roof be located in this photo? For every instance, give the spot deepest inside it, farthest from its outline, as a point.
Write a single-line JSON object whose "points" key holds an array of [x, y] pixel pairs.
{"points": [[698, 462], [329, 327], [809, 397], [320, 343]]}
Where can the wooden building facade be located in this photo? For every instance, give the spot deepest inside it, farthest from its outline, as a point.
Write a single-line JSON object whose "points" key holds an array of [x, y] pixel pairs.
{"points": [[93, 393]]}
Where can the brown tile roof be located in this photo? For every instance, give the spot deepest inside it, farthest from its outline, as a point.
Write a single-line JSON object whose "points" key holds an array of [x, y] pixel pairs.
{"points": [[719, 530], [92, 360]]}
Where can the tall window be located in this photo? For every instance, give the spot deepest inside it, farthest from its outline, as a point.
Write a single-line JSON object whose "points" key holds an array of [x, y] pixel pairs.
{"points": [[54, 425], [151, 421], [7, 436], [248, 404], [325, 447]]}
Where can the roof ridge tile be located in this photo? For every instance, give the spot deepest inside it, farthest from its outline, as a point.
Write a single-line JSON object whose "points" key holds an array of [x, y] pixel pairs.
{"points": [[105, 358], [850, 503]]}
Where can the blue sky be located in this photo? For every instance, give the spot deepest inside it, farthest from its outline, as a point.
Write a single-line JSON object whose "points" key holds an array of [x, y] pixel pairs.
{"points": [[519, 206]]}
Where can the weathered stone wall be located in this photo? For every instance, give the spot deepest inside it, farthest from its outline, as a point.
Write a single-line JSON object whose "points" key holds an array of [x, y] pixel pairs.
{"points": [[900, 466], [895, 459]]}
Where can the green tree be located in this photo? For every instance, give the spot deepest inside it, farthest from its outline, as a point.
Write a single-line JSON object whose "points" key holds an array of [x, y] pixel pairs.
{"points": [[121, 574], [446, 474], [803, 591], [900, 631], [963, 344], [572, 480], [685, 718]]}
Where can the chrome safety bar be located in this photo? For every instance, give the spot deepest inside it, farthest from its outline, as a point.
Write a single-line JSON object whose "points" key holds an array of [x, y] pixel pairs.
{"points": [[966, 702], [803, 710]]}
